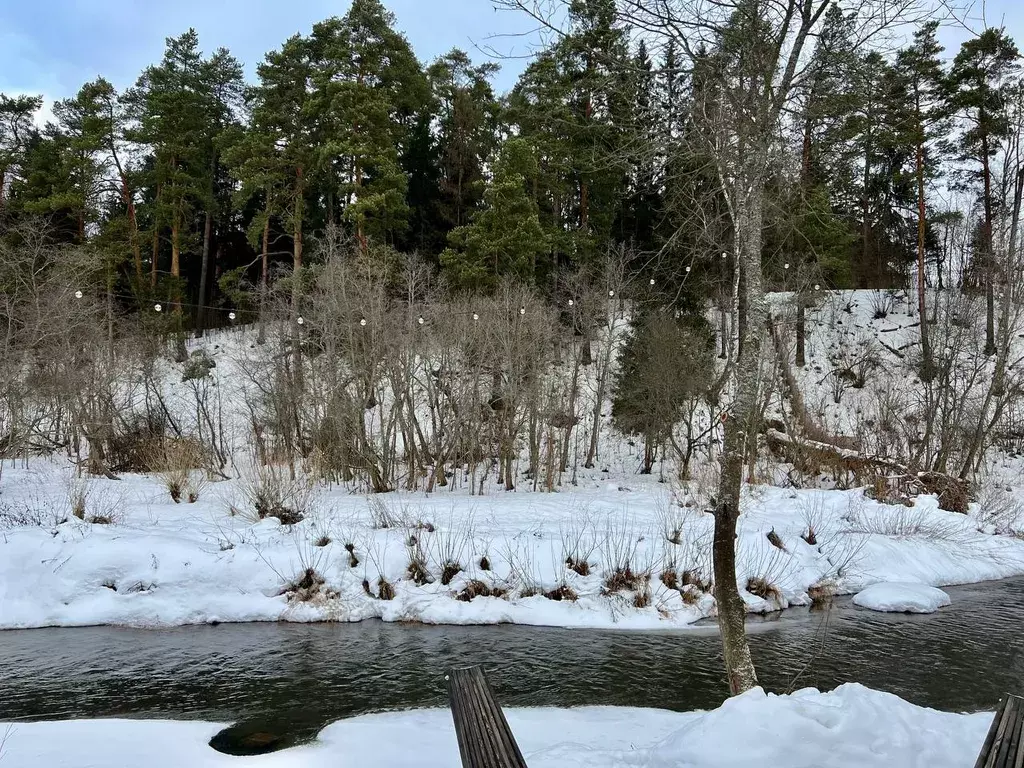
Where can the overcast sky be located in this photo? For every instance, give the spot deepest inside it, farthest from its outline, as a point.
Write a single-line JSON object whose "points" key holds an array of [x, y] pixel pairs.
{"points": [[53, 46]]}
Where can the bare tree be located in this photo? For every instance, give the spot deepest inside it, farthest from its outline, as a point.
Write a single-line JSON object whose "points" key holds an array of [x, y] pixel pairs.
{"points": [[749, 58]]}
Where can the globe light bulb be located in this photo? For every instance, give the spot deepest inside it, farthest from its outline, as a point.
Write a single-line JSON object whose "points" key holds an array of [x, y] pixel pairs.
{"points": [[78, 294], [158, 308], [231, 315]]}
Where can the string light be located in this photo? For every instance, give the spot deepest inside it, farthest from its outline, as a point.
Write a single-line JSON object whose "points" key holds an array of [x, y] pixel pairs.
{"points": [[522, 310], [476, 316], [362, 321], [571, 302], [786, 265], [231, 315], [652, 281], [421, 320], [817, 287], [688, 269], [158, 308], [725, 255], [611, 294], [78, 294], [301, 320]]}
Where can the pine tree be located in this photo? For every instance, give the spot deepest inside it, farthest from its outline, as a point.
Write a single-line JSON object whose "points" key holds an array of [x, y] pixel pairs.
{"points": [[170, 107], [16, 129], [273, 158], [976, 83], [467, 117], [368, 90], [920, 67], [505, 237]]}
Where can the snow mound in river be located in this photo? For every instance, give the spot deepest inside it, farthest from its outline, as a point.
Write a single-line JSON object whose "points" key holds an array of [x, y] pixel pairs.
{"points": [[895, 597]]}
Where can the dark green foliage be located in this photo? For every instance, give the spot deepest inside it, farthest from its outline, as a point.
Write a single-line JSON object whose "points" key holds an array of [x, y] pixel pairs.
{"points": [[665, 362]]}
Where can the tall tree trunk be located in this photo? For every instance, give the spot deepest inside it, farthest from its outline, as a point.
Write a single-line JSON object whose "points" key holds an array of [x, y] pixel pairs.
{"points": [[300, 191], [264, 268], [741, 428], [156, 239], [181, 353], [989, 258], [204, 274], [927, 369]]}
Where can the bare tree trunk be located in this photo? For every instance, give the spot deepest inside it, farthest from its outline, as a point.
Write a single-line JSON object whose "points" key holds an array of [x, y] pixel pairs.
{"points": [[990, 302], [927, 368], [203, 274], [740, 436]]}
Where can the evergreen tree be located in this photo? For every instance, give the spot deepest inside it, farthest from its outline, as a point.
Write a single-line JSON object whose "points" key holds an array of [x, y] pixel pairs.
{"points": [[16, 130], [505, 237], [977, 81], [920, 67], [368, 91], [467, 123]]}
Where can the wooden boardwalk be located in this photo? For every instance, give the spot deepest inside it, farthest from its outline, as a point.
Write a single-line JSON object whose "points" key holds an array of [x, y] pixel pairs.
{"points": [[1004, 745], [485, 740]]}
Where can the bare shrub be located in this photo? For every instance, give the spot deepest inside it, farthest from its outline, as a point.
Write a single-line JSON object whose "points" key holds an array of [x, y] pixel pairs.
{"points": [[175, 461], [451, 547], [522, 575], [1000, 508], [269, 491], [627, 567], [579, 542], [383, 515]]}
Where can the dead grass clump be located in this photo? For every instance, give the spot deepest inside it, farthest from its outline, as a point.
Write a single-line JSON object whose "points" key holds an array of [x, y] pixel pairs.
{"points": [[642, 598], [579, 542], [776, 540], [764, 589], [485, 564], [477, 588], [322, 541], [692, 578], [670, 579], [306, 588], [353, 561], [690, 594], [176, 461], [449, 571], [562, 592], [270, 492], [385, 590], [821, 594]]}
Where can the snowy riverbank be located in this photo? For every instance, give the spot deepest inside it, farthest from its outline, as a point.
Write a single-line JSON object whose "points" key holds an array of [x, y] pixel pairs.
{"points": [[851, 727], [636, 558]]}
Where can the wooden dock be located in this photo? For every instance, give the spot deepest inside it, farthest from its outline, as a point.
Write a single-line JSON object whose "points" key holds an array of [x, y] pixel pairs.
{"points": [[485, 739], [1004, 745]]}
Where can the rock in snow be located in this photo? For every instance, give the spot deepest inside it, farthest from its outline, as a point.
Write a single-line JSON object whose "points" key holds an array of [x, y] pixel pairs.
{"points": [[897, 597]]}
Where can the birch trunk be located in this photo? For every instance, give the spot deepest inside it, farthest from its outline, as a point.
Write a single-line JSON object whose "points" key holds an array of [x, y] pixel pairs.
{"points": [[740, 432]]}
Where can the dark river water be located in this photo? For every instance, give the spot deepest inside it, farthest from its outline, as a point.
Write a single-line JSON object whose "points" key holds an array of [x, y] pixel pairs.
{"points": [[962, 658]]}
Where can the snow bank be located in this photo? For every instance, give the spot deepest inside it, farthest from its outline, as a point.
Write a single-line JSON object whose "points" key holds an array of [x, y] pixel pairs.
{"points": [[902, 598], [166, 564], [851, 727]]}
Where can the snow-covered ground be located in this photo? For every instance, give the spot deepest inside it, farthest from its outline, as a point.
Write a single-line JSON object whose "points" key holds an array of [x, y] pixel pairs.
{"points": [[614, 550], [644, 558], [851, 727]]}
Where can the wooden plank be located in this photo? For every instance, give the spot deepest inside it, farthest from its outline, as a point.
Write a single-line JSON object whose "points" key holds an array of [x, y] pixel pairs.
{"points": [[484, 737], [1004, 743]]}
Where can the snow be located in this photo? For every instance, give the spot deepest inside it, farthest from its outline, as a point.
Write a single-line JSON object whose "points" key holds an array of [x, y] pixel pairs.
{"points": [[850, 727], [165, 564], [894, 597]]}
